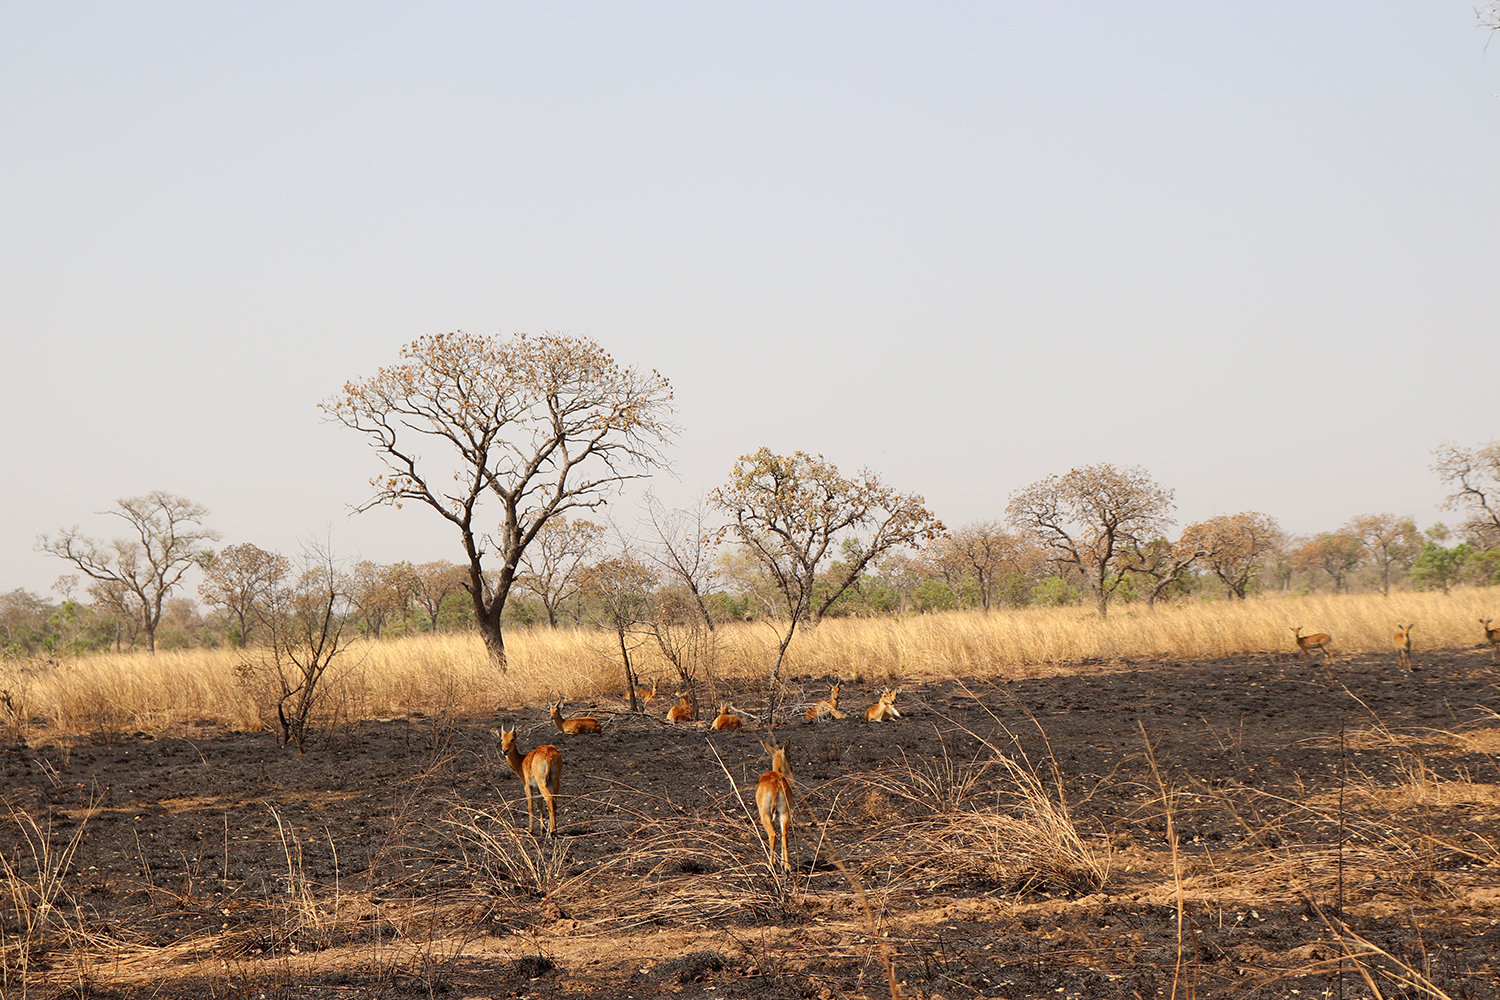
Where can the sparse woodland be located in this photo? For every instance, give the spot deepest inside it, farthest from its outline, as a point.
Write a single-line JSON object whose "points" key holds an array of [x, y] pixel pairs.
{"points": [[1110, 770]]}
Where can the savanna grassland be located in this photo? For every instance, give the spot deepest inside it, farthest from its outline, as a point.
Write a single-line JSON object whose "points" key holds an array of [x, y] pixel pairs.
{"points": [[1167, 804]]}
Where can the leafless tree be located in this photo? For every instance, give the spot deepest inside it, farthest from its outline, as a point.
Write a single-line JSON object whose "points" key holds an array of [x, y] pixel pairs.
{"points": [[135, 575], [1390, 542], [685, 549], [1474, 476], [238, 578], [436, 582], [1160, 565], [621, 589], [1336, 553], [552, 566], [981, 552], [538, 425], [788, 512], [306, 622], [1090, 518], [1234, 546], [380, 593]]}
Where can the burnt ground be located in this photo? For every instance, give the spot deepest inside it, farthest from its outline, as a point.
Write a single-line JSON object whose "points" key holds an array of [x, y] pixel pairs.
{"points": [[1330, 824]]}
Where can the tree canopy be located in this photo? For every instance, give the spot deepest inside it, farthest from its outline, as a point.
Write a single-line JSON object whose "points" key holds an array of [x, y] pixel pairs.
{"points": [[525, 429]]}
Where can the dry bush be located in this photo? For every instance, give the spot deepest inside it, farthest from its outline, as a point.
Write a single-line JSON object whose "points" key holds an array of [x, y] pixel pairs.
{"points": [[36, 912]]}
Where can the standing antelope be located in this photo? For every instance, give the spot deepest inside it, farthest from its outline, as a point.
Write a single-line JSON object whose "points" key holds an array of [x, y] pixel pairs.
{"points": [[1306, 643], [883, 709], [773, 797], [542, 768], [726, 719], [682, 711], [818, 709], [582, 724], [1402, 638], [1492, 636]]}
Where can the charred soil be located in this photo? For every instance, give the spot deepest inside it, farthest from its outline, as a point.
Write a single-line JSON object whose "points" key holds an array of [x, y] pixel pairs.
{"points": [[1003, 838]]}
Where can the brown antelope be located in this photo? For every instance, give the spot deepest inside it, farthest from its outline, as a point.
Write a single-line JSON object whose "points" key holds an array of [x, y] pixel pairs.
{"points": [[683, 710], [582, 724], [883, 709], [1402, 638], [542, 768], [818, 709], [773, 797], [1307, 643], [651, 695], [1492, 636], [726, 719]]}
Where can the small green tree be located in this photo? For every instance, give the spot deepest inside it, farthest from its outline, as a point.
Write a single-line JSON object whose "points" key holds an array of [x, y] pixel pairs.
{"points": [[1439, 568]]}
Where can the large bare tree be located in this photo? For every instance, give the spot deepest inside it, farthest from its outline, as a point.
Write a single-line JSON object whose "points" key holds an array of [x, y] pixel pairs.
{"points": [[135, 575], [537, 426], [1091, 518], [789, 511]]}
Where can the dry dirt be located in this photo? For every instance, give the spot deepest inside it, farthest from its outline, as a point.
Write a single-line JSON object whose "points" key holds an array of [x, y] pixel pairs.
{"points": [[1320, 814]]}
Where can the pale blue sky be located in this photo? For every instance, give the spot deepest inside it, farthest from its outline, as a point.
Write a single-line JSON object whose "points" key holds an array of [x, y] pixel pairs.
{"points": [[1252, 248]]}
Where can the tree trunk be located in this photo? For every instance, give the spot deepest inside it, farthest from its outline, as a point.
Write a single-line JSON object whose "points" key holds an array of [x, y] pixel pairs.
{"points": [[629, 674], [494, 641]]}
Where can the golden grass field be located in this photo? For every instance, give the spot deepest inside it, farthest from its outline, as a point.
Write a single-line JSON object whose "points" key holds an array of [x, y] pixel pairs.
{"points": [[451, 674], [1164, 804]]}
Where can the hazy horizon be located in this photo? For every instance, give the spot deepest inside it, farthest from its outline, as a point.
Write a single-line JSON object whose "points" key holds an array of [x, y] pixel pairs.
{"points": [[963, 245]]}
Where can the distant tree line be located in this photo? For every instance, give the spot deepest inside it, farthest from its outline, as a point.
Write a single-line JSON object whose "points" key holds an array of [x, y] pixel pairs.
{"points": [[544, 430]]}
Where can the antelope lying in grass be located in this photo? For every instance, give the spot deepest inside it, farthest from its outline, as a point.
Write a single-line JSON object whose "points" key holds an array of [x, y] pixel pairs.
{"points": [[726, 719], [1492, 636], [651, 695], [1402, 639], [683, 710], [883, 709], [1307, 643], [542, 768], [818, 709], [571, 727], [773, 797]]}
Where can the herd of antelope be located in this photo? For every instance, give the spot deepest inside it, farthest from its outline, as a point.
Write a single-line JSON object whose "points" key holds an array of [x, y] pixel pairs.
{"points": [[1402, 639], [542, 767]]}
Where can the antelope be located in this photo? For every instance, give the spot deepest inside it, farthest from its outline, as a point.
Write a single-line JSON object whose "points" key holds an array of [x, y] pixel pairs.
{"points": [[542, 768], [726, 719], [1306, 643], [883, 709], [651, 695], [1402, 638], [682, 711], [773, 797], [818, 709], [582, 724], [1492, 636]]}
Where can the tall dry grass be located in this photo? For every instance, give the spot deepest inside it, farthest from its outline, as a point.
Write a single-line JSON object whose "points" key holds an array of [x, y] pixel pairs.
{"points": [[451, 674]]}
